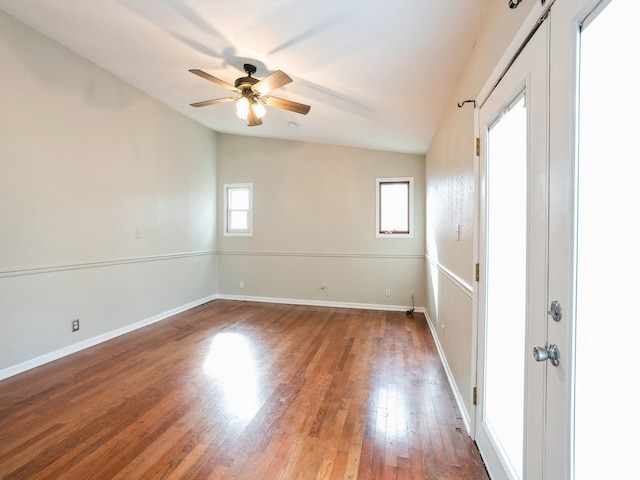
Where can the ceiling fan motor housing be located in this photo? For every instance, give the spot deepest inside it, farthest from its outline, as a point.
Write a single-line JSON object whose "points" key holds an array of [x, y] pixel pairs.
{"points": [[243, 83]]}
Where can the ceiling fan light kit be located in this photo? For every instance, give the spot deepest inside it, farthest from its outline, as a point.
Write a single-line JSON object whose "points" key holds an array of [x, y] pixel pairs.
{"points": [[253, 94]]}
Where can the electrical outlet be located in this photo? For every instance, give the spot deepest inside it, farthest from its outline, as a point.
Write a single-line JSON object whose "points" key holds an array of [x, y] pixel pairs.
{"points": [[387, 292], [75, 325], [241, 283]]}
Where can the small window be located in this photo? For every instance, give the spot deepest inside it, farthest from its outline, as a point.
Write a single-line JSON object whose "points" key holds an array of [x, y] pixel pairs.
{"points": [[238, 202], [394, 207]]}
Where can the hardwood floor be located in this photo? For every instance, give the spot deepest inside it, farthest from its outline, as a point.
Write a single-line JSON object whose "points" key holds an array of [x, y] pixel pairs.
{"points": [[247, 391]]}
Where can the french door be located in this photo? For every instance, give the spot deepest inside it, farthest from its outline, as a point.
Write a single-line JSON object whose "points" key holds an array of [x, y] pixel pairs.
{"points": [[558, 325], [594, 256], [513, 253]]}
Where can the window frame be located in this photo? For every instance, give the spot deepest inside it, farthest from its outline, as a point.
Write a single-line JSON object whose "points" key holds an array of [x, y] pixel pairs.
{"points": [[228, 232], [410, 213]]}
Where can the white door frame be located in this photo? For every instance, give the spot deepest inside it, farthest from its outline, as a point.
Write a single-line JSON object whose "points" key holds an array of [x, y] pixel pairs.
{"points": [[538, 12], [528, 75], [565, 27], [534, 427]]}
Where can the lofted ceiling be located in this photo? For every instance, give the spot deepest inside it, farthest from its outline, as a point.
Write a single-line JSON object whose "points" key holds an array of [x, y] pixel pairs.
{"points": [[377, 74]]}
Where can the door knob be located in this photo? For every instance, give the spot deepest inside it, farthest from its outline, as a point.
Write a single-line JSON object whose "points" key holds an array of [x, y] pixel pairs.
{"points": [[542, 354]]}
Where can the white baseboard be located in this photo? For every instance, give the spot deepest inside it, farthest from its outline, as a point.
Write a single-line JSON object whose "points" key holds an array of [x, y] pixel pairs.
{"points": [[319, 303], [90, 342], [466, 418]]}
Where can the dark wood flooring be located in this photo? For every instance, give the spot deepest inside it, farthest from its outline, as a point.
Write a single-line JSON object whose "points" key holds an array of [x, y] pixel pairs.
{"points": [[242, 390]]}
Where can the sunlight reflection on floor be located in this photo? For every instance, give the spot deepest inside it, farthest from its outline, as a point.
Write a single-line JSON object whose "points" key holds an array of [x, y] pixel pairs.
{"points": [[393, 416], [231, 363]]}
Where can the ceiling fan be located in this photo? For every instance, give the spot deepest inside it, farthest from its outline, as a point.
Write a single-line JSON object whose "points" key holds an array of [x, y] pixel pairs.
{"points": [[253, 94]]}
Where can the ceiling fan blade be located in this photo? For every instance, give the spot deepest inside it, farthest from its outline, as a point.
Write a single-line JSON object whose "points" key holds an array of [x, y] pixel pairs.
{"points": [[213, 102], [273, 81], [252, 119], [286, 105], [213, 79]]}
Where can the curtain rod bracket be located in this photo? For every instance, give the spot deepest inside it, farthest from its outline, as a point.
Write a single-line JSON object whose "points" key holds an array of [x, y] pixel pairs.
{"points": [[461, 104]]}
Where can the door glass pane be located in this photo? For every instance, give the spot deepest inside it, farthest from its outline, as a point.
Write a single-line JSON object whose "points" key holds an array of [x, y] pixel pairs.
{"points": [[607, 420], [506, 283]]}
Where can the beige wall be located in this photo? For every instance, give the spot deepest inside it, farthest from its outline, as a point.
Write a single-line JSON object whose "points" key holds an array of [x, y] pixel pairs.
{"points": [[314, 224], [85, 160], [108, 210], [450, 199]]}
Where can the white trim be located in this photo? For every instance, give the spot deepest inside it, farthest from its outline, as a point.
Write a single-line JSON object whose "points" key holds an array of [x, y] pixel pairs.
{"points": [[101, 263], [455, 279], [319, 303], [173, 256], [416, 256], [476, 261], [237, 233], [464, 413], [411, 207], [90, 342]]}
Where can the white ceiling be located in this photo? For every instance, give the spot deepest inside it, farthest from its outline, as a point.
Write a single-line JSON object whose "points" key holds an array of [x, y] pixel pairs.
{"points": [[377, 73]]}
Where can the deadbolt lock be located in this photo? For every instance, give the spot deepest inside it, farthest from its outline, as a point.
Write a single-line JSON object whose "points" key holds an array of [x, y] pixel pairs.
{"points": [[555, 310]]}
